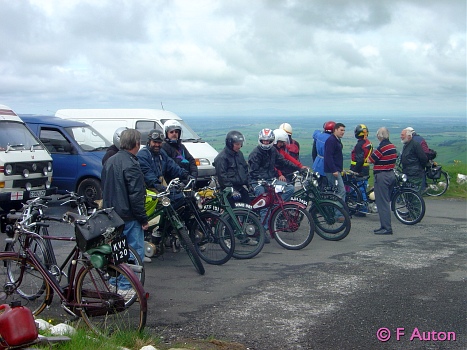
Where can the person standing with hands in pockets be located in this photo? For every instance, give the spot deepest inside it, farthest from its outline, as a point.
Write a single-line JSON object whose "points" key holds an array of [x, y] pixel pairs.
{"points": [[334, 159]]}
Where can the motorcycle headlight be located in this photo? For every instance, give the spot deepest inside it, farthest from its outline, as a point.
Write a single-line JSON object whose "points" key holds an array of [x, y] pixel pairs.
{"points": [[315, 182], [165, 201], [404, 177], [199, 200]]}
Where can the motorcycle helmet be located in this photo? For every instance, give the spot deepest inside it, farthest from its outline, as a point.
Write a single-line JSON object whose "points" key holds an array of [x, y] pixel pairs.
{"points": [[280, 135], [266, 135], [287, 128], [361, 131], [170, 125], [117, 134], [156, 135], [329, 126], [233, 137]]}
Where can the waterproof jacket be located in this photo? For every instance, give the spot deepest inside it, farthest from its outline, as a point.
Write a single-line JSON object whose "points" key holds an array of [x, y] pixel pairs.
{"points": [[181, 156], [263, 162], [333, 157], [231, 169], [155, 166], [123, 187], [293, 148], [319, 141], [413, 159], [359, 157], [287, 171]]}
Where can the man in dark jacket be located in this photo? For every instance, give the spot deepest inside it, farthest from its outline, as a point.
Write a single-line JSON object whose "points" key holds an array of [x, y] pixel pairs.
{"points": [[123, 189], [413, 160], [334, 159], [176, 150], [231, 167]]}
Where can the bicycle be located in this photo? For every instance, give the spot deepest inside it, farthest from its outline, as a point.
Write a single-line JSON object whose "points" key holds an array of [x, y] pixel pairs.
{"points": [[91, 292], [202, 235], [289, 223], [329, 213], [437, 180], [248, 231], [33, 218], [406, 203]]}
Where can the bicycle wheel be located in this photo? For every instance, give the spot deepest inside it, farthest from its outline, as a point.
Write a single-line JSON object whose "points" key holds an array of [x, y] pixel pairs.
{"points": [[248, 231], [408, 207], [292, 226], [437, 187], [332, 222], [104, 305], [21, 280], [136, 264], [190, 249], [212, 238], [353, 197]]}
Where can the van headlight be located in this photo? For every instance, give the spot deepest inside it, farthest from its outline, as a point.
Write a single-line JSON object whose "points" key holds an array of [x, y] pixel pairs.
{"points": [[204, 161], [45, 172], [47, 184], [8, 169], [28, 186], [26, 173], [49, 166]]}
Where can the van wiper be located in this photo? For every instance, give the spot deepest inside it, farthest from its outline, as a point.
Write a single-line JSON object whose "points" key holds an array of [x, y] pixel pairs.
{"points": [[103, 148], [193, 140], [12, 147]]}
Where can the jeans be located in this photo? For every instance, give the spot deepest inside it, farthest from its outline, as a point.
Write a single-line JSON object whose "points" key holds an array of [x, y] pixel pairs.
{"points": [[286, 195], [135, 237]]}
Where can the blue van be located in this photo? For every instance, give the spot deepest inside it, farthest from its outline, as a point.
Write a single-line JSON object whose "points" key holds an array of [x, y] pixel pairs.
{"points": [[77, 150]]}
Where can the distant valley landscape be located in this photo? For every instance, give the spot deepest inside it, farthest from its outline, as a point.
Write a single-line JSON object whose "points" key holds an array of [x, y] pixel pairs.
{"points": [[446, 135]]}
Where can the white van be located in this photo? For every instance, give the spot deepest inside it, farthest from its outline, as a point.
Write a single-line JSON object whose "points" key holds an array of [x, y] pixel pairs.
{"points": [[106, 121], [25, 164]]}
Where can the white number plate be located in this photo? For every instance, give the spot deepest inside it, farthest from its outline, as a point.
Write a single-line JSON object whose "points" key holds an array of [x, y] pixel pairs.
{"points": [[39, 193]]}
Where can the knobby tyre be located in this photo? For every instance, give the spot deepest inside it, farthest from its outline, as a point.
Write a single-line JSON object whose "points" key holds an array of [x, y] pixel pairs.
{"points": [[408, 207], [292, 226], [213, 238], [190, 249], [21, 280], [104, 294], [437, 187], [249, 233], [332, 222]]}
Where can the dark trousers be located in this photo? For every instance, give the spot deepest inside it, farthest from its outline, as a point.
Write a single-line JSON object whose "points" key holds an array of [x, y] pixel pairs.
{"points": [[384, 184]]}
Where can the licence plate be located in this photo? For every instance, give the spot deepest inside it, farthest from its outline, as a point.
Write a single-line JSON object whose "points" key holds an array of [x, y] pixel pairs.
{"points": [[38, 193], [120, 251]]}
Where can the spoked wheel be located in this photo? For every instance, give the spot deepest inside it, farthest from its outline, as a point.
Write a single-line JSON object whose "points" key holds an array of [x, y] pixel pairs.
{"points": [[353, 198], [213, 238], [408, 207], [332, 222], [21, 280], [104, 296], [292, 227], [437, 187], [190, 249], [249, 233]]}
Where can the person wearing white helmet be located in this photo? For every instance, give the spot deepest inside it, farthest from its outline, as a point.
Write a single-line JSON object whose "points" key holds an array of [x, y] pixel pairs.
{"points": [[116, 144], [263, 161], [293, 147], [281, 140], [176, 150]]}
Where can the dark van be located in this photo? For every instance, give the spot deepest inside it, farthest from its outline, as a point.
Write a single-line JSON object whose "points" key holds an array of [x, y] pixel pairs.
{"points": [[77, 150]]}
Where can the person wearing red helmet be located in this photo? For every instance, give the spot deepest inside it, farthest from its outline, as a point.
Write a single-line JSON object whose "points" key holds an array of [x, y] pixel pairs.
{"points": [[320, 138]]}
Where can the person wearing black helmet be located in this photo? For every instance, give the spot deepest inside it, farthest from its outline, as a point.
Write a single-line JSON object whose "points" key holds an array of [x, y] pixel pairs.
{"points": [[156, 164], [231, 166], [112, 150], [176, 150]]}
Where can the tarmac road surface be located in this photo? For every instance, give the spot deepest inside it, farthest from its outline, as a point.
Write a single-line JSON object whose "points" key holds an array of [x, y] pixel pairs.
{"points": [[402, 291]]}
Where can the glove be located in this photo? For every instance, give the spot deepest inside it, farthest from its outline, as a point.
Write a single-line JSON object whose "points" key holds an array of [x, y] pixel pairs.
{"points": [[236, 195], [188, 178], [160, 188]]}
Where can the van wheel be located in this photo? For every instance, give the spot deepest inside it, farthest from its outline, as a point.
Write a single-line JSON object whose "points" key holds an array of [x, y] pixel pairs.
{"points": [[90, 189]]}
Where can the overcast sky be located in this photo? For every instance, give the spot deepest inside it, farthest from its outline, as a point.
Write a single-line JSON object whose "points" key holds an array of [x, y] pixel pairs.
{"points": [[236, 57]]}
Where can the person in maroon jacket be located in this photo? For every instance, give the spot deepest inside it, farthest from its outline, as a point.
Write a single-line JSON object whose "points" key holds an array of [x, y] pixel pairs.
{"points": [[281, 140]]}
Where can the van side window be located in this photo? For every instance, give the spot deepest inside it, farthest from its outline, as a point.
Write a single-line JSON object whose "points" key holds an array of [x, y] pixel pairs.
{"points": [[54, 141]]}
